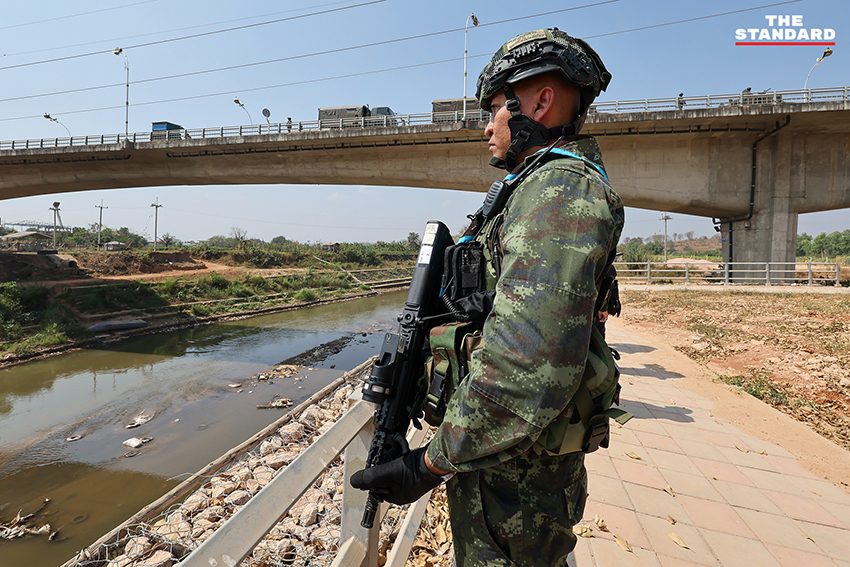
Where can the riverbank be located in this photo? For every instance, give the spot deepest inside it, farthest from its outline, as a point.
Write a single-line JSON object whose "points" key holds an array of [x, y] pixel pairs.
{"points": [[179, 323]]}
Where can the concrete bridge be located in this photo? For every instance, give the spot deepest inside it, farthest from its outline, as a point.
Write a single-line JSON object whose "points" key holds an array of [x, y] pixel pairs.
{"points": [[751, 161]]}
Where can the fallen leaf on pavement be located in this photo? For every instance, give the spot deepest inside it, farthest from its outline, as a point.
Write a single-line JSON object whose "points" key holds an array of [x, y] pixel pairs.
{"points": [[678, 540], [633, 456], [600, 523], [669, 490], [622, 543], [582, 531]]}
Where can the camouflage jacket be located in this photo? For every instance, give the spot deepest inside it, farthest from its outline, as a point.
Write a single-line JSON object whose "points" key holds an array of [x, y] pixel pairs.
{"points": [[554, 235]]}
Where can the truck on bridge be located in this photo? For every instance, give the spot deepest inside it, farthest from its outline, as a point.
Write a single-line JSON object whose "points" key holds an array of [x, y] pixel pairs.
{"points": [[347, 116]]}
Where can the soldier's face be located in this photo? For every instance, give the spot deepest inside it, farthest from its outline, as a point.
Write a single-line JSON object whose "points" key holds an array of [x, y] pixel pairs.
{"points": [[497, 129]]}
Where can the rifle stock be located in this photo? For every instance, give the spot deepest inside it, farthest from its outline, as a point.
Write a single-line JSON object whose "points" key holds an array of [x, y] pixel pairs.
{"points": [[397, 382]]}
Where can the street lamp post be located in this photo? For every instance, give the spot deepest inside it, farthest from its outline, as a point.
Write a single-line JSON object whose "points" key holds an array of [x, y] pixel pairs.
{"points": [[236, 100], [826, 53], [46, 115], [119, 51], [465, 28]]}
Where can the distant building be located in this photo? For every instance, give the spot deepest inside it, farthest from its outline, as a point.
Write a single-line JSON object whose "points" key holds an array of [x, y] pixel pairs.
{"points": [[115, 246], [330, 247], [28, 241]]}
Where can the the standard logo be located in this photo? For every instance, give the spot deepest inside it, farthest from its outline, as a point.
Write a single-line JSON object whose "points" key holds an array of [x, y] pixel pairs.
{"points": [[785, 30]]}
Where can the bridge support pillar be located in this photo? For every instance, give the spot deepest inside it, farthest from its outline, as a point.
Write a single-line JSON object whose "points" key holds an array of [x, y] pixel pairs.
{"points": [[770, 234]]}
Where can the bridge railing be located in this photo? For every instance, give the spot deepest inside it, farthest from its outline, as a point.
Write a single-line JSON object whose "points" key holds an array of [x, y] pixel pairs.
{"points": [[745, 98], [250, 130], [729, 273]]}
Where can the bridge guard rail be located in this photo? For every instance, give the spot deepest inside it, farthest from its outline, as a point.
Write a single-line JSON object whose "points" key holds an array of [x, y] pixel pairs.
{"points": [[680, 103], [730, 273], [239, 535]]}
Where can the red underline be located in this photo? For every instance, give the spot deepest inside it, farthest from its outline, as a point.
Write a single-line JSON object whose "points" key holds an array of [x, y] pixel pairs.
{"points": [[784, 43]]}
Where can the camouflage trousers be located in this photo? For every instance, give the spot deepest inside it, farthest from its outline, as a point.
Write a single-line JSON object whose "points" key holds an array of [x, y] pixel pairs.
{"points": [[519, 513]]}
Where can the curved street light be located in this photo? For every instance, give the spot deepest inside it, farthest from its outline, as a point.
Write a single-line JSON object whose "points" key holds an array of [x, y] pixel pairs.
{"points": [[119, 51], [465, 28], [46, 115], [236, 100], [826, 53]]}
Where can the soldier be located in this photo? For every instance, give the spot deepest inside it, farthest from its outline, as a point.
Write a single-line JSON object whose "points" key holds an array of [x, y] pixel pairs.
{"points": [[513, 498]]}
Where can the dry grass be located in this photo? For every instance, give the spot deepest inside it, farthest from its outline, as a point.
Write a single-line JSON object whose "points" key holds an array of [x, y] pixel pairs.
{"points": [[791, 350]]}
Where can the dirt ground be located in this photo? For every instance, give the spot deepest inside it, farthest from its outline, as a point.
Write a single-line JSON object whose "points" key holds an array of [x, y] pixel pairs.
{"points": [[789, 349]]}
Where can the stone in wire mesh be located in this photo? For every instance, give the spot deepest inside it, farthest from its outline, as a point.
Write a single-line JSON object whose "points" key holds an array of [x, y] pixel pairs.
{"points": [[307, 535]]}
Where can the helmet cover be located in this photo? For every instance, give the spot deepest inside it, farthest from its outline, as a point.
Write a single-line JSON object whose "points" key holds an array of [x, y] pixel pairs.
{"points": [[544, 51]]}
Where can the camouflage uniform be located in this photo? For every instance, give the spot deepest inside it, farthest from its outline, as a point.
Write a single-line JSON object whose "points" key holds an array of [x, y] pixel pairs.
{"points": [[508, 505]]}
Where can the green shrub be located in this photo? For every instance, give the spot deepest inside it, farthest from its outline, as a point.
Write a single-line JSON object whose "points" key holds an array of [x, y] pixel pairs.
{"points": [[306, 295]]}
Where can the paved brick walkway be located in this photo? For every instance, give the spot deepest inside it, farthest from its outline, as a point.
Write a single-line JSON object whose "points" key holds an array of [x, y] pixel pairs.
{"points": [[737, 500]]}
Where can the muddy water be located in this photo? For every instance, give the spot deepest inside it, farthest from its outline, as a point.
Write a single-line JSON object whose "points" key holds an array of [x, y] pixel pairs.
{"points": [[198, 385]]}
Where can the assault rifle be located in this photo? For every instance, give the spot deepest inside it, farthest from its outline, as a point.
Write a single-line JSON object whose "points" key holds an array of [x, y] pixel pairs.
{"points": [[397, 382]]}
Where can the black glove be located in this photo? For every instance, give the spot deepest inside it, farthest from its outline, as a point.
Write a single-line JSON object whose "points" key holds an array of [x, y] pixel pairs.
{"points": [[400, 481]]}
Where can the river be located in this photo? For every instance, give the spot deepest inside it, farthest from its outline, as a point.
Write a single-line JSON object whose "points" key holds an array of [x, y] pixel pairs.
{"points": [[188, 379]]}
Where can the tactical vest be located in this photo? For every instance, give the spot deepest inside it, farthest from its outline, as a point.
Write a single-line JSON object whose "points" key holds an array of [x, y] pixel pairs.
{"points": [[583, 426]]}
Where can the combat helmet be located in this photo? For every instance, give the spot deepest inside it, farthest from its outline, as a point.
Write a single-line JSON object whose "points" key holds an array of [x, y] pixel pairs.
{"points": [[531, 54]]}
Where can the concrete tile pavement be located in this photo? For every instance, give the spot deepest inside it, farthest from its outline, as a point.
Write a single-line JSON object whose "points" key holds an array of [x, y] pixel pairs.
{"points": [[685, 488]]}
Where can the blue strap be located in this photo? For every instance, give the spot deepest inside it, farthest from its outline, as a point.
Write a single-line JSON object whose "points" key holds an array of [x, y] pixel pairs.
{"points": [[568, 154], [584, 159]]}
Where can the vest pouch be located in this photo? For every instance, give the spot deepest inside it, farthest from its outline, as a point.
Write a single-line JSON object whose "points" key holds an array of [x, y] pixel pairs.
{"points": [[448, 365], [583, 426]]}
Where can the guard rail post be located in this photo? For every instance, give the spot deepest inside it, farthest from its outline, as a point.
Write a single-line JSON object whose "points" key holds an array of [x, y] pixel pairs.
{"points": [[837, 275], [648, 273], [351, 533], [810, 273], [687, 274], [726, 273], [767, 273]]}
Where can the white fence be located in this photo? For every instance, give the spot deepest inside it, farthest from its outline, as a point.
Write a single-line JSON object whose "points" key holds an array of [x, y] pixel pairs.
{"points": [[745, 98], [729, 273]]}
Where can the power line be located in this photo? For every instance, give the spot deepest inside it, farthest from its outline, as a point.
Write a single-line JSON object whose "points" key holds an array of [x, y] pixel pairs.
{"points": [[126, 37], [386, 42], [193, 36], [693, 19], [350, 75], [76, 15], [302, 56], [306, 81]]}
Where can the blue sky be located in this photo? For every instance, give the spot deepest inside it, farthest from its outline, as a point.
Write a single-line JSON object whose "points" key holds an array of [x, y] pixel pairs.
{"points": [[694, 57]]}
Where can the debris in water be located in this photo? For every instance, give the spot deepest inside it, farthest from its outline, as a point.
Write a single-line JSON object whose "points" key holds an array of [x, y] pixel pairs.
{"points": [[233, 385], [277, 403], [73, 438], [135, 442], [140, 419], [20, 526]]}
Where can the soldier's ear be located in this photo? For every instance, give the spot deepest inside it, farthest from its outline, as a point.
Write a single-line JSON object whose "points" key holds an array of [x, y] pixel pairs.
{"points": [[543, 104]]}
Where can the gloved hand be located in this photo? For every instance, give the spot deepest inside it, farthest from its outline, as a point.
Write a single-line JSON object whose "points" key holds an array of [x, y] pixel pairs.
{"points": [[400, 481]]}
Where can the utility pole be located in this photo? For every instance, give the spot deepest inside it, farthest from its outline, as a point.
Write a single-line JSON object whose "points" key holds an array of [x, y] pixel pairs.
{"points": [[156, 207], [100, 222], [55, 209], [665, 217]]}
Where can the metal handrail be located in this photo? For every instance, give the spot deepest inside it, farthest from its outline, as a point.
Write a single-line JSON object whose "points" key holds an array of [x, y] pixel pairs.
{"points": [[613, 107], [730, 273]]}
